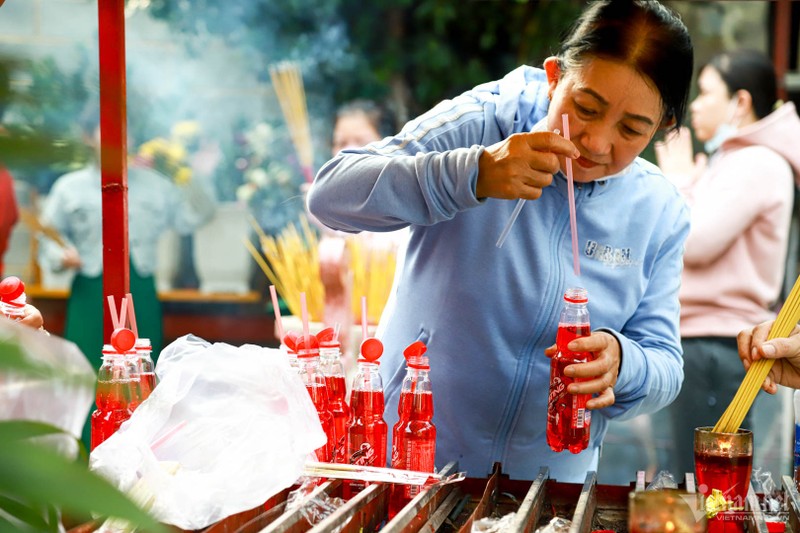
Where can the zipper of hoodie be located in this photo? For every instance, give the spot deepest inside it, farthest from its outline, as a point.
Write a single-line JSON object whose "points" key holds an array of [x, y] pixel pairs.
{"points": [[502, 438]]}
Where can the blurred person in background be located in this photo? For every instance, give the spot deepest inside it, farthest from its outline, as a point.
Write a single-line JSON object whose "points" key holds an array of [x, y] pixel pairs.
{"points": [[74, 208], [357, 124], [741, 196]]}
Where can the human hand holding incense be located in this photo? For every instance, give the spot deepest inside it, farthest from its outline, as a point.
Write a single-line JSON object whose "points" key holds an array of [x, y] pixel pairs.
{"points": [[601, 373], [521, 165], [753, 346]]}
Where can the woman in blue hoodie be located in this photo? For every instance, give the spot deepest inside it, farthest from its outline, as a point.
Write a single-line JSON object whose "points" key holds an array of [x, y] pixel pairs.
{"points": [[489, 315]]}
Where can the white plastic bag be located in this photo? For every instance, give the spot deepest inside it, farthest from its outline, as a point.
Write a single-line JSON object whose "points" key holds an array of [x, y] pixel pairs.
{"points": [[225, 429], [60, 392]]}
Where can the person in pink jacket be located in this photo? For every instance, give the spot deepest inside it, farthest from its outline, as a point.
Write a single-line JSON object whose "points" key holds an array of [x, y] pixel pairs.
{"points": [[740, 193]]}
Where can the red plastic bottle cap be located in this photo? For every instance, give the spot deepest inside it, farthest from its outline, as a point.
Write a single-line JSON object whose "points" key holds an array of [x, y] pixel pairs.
{"points": [[371, 349], [11, 288], [309, 343], [290, 340], [123, 339], [327, 338], [415, 349]]}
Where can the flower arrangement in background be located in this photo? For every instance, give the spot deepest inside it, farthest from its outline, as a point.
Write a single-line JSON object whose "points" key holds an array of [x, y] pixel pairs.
{"points": [[269, 185], [170, 156]]}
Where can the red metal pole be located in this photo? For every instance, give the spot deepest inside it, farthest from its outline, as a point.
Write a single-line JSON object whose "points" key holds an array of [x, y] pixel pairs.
{"points": [[782, 31], [113, 154]]}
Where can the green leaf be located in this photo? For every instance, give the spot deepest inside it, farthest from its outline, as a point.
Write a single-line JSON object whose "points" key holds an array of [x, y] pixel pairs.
{"points": [[24, 513], [13, 430], [38, 476]]}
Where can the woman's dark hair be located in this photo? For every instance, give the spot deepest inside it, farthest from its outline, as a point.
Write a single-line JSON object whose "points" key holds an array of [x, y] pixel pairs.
{"points": [[751, 71], [644, 34], [376, 114]]}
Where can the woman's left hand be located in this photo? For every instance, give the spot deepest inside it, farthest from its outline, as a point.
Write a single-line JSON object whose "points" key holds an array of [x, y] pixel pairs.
{"points": [[601, 373]]}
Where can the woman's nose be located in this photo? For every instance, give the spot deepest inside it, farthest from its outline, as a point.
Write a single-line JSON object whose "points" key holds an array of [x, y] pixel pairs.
{"points": [[595, 139]]}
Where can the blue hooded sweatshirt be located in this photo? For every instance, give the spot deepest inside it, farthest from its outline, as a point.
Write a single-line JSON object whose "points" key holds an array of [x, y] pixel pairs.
{"points": [[487, 314]]}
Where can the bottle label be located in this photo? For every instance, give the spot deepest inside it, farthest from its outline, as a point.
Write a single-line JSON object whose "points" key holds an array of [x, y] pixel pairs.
{"points": [[580, 415], [364, 456], [557, 391], [419, 457]]}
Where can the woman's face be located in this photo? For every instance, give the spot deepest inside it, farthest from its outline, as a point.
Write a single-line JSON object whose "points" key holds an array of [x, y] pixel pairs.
{"points": [[613, 113], [712, 106], [353, 130]]}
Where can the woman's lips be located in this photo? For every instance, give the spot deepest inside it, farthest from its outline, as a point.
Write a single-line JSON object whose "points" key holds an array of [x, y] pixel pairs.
{"points": [[585, 163]]}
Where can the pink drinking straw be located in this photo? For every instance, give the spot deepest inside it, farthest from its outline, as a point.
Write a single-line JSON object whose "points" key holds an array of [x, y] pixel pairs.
{"points": [[123, 312], [363, 318], [132, 314], [304, 312], [336, 331], [571, 195], [112, 309], [276, 308]]}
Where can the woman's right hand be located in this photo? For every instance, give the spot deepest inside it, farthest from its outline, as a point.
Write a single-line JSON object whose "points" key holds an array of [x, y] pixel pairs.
{"points": [[753, 346], [70, 258], [521, 165]]}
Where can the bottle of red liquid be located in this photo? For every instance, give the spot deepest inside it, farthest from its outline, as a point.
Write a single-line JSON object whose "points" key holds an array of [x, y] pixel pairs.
{"points": [[308, 364], [367, 430], [568, 420], [114, 395], [12, 298], [414, 435], [333, 371], [145, 375]]}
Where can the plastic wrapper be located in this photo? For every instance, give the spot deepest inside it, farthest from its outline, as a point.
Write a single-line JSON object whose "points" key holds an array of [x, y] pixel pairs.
{"points": [[315, 509], [491, 524], [556, 525], [762, 483], [234, 425], [663, 480], [59, 392]]}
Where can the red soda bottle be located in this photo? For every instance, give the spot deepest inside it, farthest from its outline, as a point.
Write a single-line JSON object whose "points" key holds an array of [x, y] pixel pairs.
{"points": [[568, 420], [414, 435], [333, 371], [145, 375], [367, 430], [308, 364], [113, 397], [12, 298]]}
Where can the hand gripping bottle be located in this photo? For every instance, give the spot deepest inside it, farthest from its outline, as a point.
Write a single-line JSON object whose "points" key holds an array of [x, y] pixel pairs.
{"points": [[113, 398], [333, 371], [568, 420], [12, 298], [308, 364], [414, 435], [367, 430]]}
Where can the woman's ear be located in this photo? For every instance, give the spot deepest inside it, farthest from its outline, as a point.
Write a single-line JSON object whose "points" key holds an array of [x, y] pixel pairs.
{"points": [[552, 69]]}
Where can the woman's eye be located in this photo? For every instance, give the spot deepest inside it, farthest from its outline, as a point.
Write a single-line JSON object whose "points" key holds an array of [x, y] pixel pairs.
{"points": [[627, 130], [585, 111]]}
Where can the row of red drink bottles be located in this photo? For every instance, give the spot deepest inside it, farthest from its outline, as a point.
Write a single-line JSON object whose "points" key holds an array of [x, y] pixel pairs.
{"points": [[357, 433]]}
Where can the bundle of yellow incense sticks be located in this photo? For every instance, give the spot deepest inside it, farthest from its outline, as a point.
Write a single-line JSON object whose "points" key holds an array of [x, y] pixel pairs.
{"points": [[291, 263], [787, 319], [373, 272], [288, 84]]}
